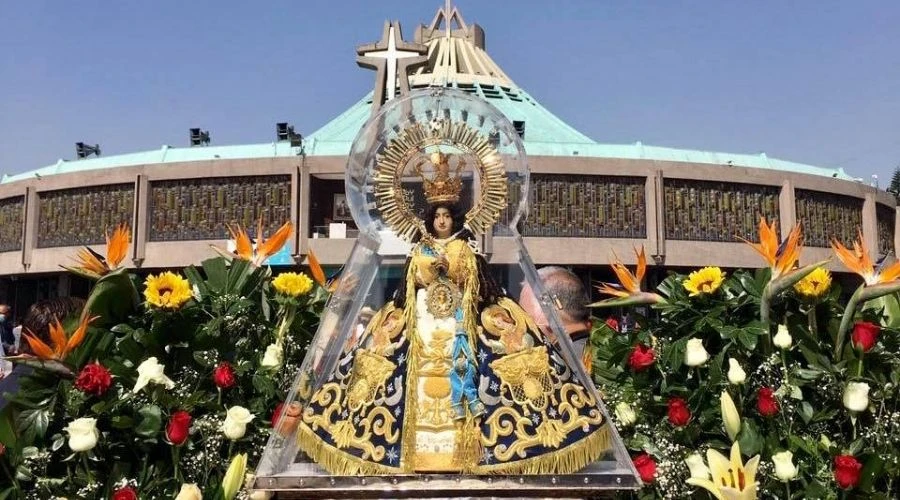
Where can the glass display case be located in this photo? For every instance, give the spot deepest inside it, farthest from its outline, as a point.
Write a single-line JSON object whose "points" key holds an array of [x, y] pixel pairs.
{"points": [[434, 373]]}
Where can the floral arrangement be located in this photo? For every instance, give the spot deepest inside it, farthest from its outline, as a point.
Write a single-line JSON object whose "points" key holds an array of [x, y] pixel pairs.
{"points": [[746, 385], [163, 389]]}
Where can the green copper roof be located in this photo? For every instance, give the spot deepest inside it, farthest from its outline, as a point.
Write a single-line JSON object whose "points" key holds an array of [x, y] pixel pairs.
{"points": [[545, 135]]}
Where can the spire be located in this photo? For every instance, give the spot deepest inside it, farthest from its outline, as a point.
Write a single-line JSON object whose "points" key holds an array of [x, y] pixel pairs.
{"points": [[455, 53]]}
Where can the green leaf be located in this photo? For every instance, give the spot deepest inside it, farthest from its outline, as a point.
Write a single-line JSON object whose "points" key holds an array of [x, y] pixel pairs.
{"points": [[750, 440], [715, 369], [264, 384], [216, 272], [870, 472], [122, 422], [815, 489], [193, 275], [806, 412], [113, 298], [205, 358], [856, 446], [32, 423], [7, 427], [151, 421], [58, 441]]}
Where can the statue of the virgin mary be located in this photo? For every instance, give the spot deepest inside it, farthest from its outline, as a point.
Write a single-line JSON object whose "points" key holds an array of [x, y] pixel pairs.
{"points": [[450, 374]]}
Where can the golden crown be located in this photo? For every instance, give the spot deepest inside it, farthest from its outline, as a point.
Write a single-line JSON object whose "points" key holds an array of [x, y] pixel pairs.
{"points": [[442, 187]]}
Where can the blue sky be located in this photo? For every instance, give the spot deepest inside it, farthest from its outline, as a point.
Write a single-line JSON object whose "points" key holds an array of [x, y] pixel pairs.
{"points": [[813, 82]]}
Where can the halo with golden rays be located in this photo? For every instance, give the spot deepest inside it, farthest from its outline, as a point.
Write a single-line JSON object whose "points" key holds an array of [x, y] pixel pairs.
{"points": [[410, 143]]}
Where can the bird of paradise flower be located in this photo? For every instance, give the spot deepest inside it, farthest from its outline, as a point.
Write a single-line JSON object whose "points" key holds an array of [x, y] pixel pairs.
{"points": [[782, 259], [264, 248], [92, 265], [52, 356], [877, 282], [628, 291]]}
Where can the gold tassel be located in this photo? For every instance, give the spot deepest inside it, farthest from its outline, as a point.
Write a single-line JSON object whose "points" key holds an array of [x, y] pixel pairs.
{"points": [[567, 460], [467, 448], [335, 461]]}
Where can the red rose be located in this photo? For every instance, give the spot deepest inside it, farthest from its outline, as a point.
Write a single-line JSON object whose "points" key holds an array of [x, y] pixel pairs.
{"points": [[679, 413], [126, 493], [846, 471], [645, 466], [613, 323], [276, 415], [223, 375], [641, 358], [93, 379], [179, 426], [865, 335], [766, 403]]}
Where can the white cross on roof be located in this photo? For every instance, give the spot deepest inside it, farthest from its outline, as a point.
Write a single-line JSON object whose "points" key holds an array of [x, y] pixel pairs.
{"points": [[392, 55]]}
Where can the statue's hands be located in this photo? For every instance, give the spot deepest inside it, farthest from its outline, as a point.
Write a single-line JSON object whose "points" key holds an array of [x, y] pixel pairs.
{"points": [[461, 364], [496, 347], [441, 263], [390, 348]]}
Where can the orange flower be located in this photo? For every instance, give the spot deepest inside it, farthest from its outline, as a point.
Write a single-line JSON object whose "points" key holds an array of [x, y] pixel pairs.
{"points": [[858, 261], [628, 292], [315, 268], [62, 345], [630, 282], [94, 265], [265, 248], [780, 258]]}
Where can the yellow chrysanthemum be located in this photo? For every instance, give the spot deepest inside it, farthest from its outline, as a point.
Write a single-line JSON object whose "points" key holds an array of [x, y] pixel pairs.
{"points": [[706, 280], [815, 284], [167, 291], [292, 284]]}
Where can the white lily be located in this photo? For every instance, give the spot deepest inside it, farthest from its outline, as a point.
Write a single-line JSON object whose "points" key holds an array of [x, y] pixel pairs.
{"points": [[731, 479]]}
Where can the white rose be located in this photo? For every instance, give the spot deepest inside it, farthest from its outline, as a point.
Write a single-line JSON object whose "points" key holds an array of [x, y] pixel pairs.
{"points": [[260, 495], [697, 466], [695, 354], [83, 434], [236, 420], [151, 371], [273, 357], [782, 339], [736, 374], [785, 470], [856, 396], [625, 414], [189, 491]]}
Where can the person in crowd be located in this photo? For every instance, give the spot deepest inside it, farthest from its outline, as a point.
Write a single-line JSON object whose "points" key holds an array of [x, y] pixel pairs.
{"points": [[6, 328], [573, 312], [37, 321]]}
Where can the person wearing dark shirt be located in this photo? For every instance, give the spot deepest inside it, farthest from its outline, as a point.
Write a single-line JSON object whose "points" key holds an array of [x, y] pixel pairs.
{"points": [[6, 328], [37, 322]]}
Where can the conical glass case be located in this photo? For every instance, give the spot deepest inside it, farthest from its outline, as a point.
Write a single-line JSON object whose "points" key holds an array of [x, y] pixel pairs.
{"points": [[434, 372]]}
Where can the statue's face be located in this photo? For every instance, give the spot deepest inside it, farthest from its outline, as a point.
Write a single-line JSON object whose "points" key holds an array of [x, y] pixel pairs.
{"points": [[443, 223]]}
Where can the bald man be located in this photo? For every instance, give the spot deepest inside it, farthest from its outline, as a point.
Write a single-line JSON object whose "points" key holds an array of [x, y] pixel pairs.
{"points": [[573, 299]]}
